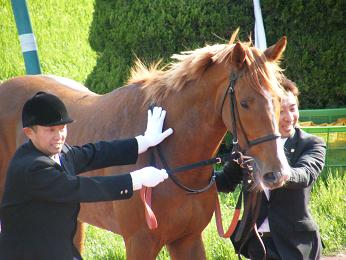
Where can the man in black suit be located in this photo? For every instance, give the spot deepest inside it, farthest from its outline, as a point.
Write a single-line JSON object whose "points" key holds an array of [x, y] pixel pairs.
{"points": [[284, 222], [43, 190]]}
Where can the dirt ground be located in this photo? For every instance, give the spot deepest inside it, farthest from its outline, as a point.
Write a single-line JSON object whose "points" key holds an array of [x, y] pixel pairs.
{"points": [[337, 257]]}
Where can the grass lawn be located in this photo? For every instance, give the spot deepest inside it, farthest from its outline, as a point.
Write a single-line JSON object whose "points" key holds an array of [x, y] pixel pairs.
{"points": [[61, 29], [327, 205]]}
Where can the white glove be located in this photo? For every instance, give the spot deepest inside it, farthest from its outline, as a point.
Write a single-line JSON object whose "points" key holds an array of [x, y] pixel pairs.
{"points": [[153, 134], [148, 176]]}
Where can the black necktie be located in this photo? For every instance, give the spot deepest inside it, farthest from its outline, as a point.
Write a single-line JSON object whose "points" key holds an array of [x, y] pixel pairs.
{"points": [[263, 210]]}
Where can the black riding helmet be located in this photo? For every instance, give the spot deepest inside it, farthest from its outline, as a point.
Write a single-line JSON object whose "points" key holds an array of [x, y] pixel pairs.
{"points": [[46, 110]]}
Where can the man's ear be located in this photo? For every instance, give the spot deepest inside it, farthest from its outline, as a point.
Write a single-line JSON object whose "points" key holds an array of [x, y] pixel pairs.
{"points": [[28, 131]]}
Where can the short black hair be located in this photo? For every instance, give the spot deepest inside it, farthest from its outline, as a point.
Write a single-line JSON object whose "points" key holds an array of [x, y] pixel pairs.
{"points": [[289, 85]]}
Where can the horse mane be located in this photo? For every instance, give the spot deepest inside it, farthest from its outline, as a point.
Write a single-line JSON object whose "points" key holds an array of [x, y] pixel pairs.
{"points": [[190, 65]]}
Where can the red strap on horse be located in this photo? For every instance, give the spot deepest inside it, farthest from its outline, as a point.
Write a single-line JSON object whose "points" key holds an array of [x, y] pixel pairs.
{"points": [[145, 193], [149, 214], [234, 221]]}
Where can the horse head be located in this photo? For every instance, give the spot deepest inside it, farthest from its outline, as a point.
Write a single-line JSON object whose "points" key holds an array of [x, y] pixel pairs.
{"points": [[251, 113]]}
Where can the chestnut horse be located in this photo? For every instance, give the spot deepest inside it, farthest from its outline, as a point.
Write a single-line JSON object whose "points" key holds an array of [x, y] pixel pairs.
{"points": [[193, 91]]}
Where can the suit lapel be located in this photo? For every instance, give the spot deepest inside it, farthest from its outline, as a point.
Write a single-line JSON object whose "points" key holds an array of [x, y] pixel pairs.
{"points": [[64, 161], [290, 147]]}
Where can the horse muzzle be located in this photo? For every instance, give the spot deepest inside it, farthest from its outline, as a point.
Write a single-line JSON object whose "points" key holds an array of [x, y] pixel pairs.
{"points": [[274, 180]]}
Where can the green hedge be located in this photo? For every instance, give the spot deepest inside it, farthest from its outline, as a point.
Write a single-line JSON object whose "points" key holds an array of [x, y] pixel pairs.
{"points": [[100, 46], [154, 29], [315, 57]]}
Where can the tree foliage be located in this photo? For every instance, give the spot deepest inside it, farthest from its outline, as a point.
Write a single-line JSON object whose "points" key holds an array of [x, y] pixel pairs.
{"points": [[155, 29]]}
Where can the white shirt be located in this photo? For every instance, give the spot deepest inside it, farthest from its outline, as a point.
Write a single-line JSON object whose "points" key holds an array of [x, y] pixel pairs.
{"points": [[56, 158], [265, 225]]}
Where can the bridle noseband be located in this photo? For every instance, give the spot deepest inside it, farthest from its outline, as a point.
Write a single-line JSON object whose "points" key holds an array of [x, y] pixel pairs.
{"points": [[237, 154]]}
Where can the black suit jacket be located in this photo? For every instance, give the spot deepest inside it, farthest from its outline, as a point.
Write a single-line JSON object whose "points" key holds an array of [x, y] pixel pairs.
{"points": [[293, 229], [41, 200]]}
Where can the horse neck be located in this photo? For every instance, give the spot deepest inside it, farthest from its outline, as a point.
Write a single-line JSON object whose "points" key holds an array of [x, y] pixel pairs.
{"points": [[195, 115], [114, 115]]}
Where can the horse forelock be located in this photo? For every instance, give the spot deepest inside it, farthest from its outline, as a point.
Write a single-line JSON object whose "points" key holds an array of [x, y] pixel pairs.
{"points": [[262, 75]]}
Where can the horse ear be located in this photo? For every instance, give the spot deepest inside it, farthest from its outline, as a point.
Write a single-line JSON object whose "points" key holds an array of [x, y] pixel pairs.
{"points": [[238, 55], [274, 52], [234, 35]]}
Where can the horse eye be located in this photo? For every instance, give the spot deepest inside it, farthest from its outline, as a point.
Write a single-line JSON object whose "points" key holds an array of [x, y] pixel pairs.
{"points": [[244, 104]]}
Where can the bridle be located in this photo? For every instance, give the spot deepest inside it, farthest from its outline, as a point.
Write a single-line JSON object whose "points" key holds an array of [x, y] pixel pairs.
{"points": [[237, 154], [236, 150]]}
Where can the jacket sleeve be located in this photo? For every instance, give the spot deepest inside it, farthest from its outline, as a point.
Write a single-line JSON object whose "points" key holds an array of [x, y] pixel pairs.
{"points": [[309, 164], [45, 182], [230, 176], [103, 154]]}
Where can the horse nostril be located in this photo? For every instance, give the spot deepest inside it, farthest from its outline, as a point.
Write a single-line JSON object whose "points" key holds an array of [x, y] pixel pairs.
{"points": [[269, 177]]}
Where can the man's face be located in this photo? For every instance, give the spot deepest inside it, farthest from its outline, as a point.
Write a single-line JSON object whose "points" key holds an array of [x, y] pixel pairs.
{"points": [[289, 115], [47, 139]]}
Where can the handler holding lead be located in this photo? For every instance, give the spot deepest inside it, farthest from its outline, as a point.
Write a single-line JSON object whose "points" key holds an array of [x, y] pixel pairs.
{"points": [[43, 190]]}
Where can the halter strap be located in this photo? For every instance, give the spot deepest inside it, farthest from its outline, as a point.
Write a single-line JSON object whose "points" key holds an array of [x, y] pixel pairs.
{"points": [[188, 167]]}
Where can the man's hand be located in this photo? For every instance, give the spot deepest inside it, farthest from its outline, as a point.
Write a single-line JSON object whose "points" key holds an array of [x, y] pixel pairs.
{"points": [[153, 134], [148, 176]]}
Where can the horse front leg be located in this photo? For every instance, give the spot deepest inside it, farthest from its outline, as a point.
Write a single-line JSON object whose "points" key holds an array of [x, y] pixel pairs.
{"points": [[143, 245], [79, 237], [190, 247]]}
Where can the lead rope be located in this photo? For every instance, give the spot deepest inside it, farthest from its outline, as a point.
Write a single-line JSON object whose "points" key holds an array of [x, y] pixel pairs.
{"points": [[145, 193], [149, 213], [235, 218], [251, 208]]}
